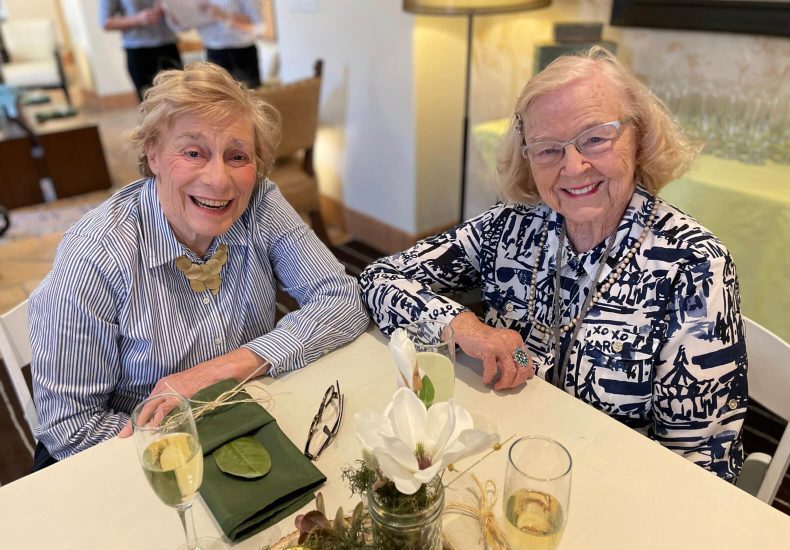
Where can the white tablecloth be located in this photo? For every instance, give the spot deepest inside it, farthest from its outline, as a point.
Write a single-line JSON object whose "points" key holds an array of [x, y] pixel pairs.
{"points": [[628, 492]]}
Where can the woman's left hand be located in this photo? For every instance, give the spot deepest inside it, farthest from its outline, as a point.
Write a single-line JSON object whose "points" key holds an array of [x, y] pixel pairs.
{"points": [[495, 347]]}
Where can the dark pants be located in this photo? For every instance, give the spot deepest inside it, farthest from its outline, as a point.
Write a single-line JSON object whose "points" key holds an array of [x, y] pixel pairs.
{"points": [[41, 458], [241, 63], [144, 63]]}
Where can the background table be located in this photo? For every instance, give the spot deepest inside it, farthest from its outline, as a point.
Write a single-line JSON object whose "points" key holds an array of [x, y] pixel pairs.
{"points": [[746, 206], [628, 492], [73, 158]]}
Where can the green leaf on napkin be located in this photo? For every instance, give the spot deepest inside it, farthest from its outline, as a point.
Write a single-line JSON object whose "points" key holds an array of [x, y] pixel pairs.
{"points": [[243, 457], [427, 392]]}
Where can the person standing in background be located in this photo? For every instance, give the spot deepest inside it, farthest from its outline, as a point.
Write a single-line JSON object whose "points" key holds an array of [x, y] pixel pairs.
{"points": [[149, 42], [230, 39]]}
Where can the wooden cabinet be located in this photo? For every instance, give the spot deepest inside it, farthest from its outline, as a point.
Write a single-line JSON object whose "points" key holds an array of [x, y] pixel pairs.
{"points": [[73, 159]]}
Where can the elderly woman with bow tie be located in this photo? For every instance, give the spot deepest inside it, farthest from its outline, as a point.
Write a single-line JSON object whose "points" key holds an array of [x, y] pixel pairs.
{"points": [[170, 284]]}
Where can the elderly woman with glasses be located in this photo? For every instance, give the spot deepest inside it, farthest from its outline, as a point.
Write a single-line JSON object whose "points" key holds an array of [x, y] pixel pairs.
{"points": [[588, 278]]}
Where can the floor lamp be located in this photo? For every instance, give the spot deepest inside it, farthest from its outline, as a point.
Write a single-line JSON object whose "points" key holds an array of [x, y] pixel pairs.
{"points": [[469, 8]]}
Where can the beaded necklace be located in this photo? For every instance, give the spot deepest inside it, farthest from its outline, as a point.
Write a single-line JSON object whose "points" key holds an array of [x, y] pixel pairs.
{"points": [[595, 294]]}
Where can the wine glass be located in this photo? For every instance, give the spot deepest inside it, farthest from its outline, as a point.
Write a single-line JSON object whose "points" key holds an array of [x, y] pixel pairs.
{"points": [[537, 493], [434, 342], [172, 459]]}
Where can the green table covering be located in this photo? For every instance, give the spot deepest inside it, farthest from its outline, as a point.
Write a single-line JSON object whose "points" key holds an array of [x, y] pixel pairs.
{"points": [[241, 506]]}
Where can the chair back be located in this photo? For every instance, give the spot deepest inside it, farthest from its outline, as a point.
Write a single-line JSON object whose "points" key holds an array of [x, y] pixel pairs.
{"points": [[16, 352], [29, 39], [769, 384], [298, 104]]}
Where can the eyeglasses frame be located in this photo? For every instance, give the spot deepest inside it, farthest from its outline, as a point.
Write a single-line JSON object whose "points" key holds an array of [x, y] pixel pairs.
{"points": [[618, 124], [331, 393]]}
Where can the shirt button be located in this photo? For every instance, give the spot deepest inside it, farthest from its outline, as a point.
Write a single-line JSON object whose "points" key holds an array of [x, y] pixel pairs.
{"points": [[617, 346], [218, 341], [732, 404], [508, 307], [206, 300]]}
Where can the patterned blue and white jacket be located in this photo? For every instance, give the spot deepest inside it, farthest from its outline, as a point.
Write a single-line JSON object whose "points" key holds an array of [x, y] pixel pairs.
{"points": [[662, 351]]}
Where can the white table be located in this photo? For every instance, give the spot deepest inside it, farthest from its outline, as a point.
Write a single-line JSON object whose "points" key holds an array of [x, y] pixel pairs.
{"points": [[628, 492]]}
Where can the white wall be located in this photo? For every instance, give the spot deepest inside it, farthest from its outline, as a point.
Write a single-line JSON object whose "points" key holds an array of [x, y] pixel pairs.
{"points": [[439, 69], [98, 53], [367, 104], [29, 9]]}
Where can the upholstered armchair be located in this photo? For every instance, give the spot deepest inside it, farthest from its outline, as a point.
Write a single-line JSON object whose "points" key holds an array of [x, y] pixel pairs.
{"points": [[293, 171], [33, 56]]}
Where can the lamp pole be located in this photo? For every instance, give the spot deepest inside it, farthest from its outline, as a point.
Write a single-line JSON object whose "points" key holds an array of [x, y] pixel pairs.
{"points": [[453, 7], [465, 142]]}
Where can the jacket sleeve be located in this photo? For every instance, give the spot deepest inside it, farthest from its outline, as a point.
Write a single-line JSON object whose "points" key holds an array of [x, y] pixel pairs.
{"points": [[413, 284], [700, 389]]}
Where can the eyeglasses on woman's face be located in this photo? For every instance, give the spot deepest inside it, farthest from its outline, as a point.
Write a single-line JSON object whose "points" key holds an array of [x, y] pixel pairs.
{"points": [[591, 142], [326, 422]]}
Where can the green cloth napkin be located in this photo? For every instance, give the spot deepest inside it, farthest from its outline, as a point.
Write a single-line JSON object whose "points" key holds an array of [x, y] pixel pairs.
{"points": [[242, 507]]}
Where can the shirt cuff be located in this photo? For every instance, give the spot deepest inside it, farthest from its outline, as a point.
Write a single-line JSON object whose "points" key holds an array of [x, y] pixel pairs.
{"points": [[283, 351], [442, 309]]}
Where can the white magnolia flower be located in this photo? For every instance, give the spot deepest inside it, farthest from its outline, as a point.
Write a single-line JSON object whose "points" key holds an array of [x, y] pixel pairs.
{"points": [[412, 444], [405, 356]]}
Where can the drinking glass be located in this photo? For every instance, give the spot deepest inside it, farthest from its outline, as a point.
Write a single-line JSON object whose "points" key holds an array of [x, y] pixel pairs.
{"points": [[537, 493], [172, 459], [434, 342]]}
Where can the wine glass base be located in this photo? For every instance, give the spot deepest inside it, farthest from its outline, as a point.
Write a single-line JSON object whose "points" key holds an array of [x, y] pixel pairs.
{"points": [[205, 543]]}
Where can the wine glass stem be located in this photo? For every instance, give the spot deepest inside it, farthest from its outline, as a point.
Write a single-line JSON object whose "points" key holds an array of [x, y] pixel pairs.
{"points": [[185, 513]]}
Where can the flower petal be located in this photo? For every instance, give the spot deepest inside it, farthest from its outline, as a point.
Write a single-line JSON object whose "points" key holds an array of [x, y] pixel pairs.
{"points": [[469, 442], [424, 476], [399, 452], [403, 354], [402, 478], [406, 415], [371, 428], [440, 425]]}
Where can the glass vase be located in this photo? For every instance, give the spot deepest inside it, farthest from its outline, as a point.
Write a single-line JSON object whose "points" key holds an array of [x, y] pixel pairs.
{"points": [[419, 530]]}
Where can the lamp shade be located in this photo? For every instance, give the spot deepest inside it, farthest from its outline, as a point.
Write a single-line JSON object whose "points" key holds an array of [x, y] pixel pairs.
{"points": [[466, 7]]}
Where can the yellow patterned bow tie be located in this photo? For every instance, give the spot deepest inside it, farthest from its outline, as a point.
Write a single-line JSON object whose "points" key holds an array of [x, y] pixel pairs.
{"points": [[207, 275]]}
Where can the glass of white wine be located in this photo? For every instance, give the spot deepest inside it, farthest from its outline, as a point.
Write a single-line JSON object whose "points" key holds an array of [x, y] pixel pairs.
{"points": [[434, 342], [537, 493], [172, 459]]}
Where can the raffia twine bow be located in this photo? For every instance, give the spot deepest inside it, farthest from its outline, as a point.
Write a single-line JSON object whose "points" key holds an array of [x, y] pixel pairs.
{"points": [[482, 511], [224, 399]]}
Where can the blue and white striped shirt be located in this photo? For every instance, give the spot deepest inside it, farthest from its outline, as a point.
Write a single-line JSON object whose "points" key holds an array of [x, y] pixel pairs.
{"points": [[115, 315]]}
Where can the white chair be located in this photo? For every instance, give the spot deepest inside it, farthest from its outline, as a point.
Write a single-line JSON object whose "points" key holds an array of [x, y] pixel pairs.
{"points": [[15, 349], [769, 384], [34, 60]]}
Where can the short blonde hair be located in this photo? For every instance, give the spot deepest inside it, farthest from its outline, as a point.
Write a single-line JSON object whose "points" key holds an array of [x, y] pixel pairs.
{"points": [[664, 152], [206, 91]]}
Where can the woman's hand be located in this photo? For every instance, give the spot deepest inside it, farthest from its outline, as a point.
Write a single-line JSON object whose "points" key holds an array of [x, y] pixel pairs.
{"points": [[493, 346], [238, 364], [149, 16]]}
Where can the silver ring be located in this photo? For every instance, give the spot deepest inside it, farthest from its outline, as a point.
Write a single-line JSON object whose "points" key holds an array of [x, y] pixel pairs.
{"points": [[521, 358]]}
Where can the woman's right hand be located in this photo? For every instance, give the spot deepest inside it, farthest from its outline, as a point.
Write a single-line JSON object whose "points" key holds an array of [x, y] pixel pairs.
{"points": [[149, 16], [495, 348]]}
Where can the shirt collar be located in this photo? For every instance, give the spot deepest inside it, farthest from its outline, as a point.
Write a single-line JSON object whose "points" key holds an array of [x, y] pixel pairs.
{"points": [[158, 242], [630, 227]]}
